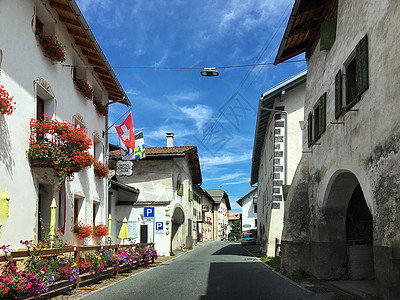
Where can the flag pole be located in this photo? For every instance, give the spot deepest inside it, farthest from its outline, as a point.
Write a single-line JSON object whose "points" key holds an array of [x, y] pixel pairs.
{"points": [[106, 132]]}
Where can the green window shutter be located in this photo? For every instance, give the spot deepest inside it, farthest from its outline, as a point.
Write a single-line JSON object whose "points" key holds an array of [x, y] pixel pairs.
{"points": [[322, 114], [179, 191], [309, 127], [190, 195], [328, 34], [338, 94], [362, 66]]}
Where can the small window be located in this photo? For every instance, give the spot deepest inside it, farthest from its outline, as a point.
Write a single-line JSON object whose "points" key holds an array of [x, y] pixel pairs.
{"points": [[95, 211], [351, 83], [255, 223], [317, 121], [255, 208], [44, 20], [356, 79], [39, 25], [78, 204]]}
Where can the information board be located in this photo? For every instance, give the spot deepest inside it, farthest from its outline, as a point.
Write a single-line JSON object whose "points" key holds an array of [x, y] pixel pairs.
{"points": [[133, 229]]}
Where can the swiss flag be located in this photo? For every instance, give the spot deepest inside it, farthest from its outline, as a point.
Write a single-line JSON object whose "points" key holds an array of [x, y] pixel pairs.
{"points": [[125, 132]]}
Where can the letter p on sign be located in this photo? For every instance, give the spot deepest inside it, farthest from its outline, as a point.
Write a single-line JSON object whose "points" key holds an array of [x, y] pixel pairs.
{"points": [[149, 212]]}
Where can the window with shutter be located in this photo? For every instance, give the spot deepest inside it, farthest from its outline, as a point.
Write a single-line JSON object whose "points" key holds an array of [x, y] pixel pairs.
{"points": [[362, 66], [316, 122], [328, 34], [309, 125], [338, 94], [357, 77], [322, 114]]}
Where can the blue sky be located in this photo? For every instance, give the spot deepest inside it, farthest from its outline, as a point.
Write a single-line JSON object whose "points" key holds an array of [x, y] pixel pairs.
{"points": [[217, 114]]}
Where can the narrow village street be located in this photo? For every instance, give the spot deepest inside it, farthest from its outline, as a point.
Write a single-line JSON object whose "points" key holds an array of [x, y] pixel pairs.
{"points": [[215, 270]]}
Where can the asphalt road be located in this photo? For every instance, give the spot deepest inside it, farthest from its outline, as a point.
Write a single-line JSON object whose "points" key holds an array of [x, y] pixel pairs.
{"points": [[216, 270]]}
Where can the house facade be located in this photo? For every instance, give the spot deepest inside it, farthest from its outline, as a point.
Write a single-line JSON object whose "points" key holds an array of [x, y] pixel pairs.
{"points": [[45, 83], [234, 217], [221, 208], [341, 215], [207, 207], [276, 153], [249, 204], [165, 180]]}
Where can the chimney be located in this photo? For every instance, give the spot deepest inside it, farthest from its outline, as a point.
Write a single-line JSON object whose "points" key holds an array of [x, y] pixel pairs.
{"points": [[170, 139]]}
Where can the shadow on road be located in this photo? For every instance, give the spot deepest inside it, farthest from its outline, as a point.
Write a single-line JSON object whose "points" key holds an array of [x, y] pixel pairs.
{"points": [[248, 280], [233, 249]]}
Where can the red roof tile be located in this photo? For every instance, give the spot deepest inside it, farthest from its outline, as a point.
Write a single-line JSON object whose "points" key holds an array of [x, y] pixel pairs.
{"points": [[160, 150]]}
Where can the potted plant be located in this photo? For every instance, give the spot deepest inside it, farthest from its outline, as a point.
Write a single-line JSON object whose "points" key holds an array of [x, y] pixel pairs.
{"points": [[52, 48], [100, 108], [100, 230], [84, 88], [83, 230], [100, 169], [6, 104], [63, 145]]}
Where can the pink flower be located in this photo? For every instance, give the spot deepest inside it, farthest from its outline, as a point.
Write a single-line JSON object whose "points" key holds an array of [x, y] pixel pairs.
{"points": [[28, 286], [6, 290]]}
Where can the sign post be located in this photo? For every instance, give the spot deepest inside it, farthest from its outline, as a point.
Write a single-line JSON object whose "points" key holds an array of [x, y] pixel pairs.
{"points": [[148, 215]]}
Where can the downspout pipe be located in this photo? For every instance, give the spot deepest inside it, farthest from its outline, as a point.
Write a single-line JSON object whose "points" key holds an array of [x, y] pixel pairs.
{"points": [[286, 136]]}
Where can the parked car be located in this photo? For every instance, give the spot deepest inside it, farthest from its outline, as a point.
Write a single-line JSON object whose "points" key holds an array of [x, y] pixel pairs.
{"points": [[248, 239]]}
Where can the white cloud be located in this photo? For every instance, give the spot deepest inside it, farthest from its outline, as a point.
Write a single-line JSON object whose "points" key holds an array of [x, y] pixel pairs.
{"points": [[237, 182], [161, 60], [199, 113], [225, 177], [225, 159], [184, 96]]}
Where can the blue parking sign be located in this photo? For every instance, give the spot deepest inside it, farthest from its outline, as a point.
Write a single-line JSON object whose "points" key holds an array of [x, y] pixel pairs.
{"points": [[148, 212], [159, 225]]}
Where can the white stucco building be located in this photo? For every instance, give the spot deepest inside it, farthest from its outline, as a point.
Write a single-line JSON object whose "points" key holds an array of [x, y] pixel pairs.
{"points": [[221, 208], [342, 219], [249, 211], [41, 86], [164, 181], [276, 153]]}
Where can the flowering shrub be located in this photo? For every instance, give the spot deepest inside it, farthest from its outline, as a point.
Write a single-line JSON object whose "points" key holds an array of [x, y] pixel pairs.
{"points": [[83, 230], [6, 104], [65, 143], [84, 87], [100, 169], [100, 230], [127, 257], [15, 283], [100, 108], [52, 48], [52, 269]]}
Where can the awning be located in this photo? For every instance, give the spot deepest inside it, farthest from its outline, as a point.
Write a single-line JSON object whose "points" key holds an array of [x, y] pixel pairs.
{"points": [[127, 195]]}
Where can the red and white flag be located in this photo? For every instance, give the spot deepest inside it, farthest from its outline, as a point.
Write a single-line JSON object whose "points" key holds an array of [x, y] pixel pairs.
{"points": [[126, 133]]}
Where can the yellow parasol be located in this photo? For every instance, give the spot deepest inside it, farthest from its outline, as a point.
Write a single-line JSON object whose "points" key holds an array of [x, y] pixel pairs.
{"points": [[53, 207], [123, 233], [4, 204], [109, 226]]}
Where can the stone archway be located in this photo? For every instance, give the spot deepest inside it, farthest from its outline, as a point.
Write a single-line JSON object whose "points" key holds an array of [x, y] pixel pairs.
{"points": [[346, 233], [178, 218]]}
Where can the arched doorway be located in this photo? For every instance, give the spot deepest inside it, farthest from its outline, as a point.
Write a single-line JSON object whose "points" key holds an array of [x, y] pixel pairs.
{"points": [[178, 218], [347, 231], [359, 238]]}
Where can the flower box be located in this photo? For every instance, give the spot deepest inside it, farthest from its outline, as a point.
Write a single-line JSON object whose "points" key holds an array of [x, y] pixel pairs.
{"points": [[43, 162], [52, 48], [6, 105]]}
